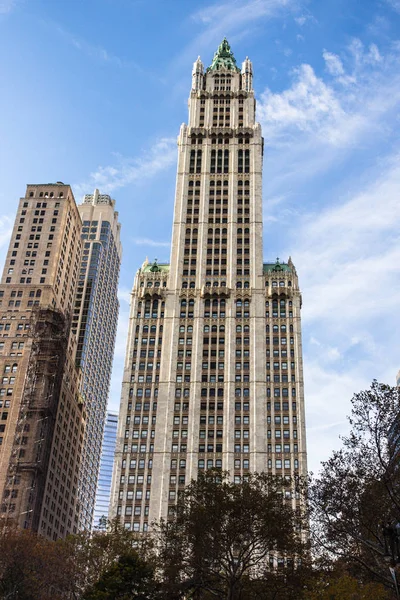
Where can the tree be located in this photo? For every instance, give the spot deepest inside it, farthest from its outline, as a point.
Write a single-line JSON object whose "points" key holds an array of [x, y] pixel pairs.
{"points": [[345, 587], [358, 489], [87, 555], [29, 566], [224, 537], [130, 578]]}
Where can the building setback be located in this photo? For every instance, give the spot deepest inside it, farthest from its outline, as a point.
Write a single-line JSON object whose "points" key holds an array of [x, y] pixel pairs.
{"points": [[106, 467], [94, 322], [213, 373], [42, 416]]}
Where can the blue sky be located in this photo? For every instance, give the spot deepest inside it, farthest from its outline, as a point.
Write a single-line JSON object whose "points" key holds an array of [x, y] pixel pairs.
{"points": [[92, 93]]}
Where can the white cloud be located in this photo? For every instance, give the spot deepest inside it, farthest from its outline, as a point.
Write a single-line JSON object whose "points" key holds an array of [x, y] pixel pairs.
{"points": [[124, 295], [310, 105], [230, 15], [301, 20], [94, 51], [345, 112], [149, 242], [395, 4], [332, 165], [333, 63], [6, 6], [232, 18], [6, 227], [125, 171]]}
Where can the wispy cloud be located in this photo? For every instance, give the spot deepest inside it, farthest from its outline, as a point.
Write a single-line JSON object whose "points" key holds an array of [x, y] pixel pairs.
{"points": [[336, 111], [320, 119], [395, 4], [232, 18], [6, 6], [153, 243], [343, 251], [342, 231], [124, 295], [6, 225], [93, 51], [125, 170]]}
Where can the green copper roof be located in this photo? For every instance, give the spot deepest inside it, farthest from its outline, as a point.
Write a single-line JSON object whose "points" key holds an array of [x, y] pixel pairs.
{"points": [[276, 267], [223, 58], [156, 267]]}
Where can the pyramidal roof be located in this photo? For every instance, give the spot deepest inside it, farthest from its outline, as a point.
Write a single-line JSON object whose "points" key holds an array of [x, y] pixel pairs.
{"points": [[223, 58]]}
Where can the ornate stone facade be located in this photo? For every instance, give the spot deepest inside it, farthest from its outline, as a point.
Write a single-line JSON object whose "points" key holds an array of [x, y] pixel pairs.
{"points": [[213, 374]]}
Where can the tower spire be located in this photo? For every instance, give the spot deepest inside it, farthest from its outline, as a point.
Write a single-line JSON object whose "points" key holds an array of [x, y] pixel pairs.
{"points": [[223, 58]]}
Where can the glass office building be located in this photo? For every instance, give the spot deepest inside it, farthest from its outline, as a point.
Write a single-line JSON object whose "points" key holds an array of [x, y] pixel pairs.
{"points": [[106, 467]]}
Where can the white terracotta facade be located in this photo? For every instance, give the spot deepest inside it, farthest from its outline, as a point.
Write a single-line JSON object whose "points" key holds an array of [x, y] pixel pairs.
{"points": [[213, 374]]}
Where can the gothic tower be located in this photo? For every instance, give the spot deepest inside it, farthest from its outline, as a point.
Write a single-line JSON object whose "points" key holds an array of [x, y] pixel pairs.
{"points": [[213, 372]]}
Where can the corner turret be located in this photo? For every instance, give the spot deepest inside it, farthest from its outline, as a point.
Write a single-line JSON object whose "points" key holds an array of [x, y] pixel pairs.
{"points": [[197, 75], [247, 75]]}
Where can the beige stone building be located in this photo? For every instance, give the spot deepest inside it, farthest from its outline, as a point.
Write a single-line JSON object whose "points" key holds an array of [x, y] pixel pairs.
{"points": [[42, 418], [213, 373], [94, 322]]}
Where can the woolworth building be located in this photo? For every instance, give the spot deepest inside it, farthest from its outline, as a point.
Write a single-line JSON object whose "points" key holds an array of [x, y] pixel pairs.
{"points": [[213, 374]]}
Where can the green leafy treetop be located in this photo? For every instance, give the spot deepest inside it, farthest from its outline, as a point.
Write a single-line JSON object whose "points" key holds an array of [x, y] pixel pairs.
{"points": [[224, 59]]}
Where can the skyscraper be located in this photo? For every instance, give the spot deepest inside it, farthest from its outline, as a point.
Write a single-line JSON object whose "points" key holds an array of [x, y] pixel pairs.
{"points": [[42, 416], [213, 373], [106, 467], [94, 322]]}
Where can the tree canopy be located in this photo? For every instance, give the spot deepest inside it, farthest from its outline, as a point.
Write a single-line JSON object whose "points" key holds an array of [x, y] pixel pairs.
{"points": [[357, 492], [225, 536]]}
